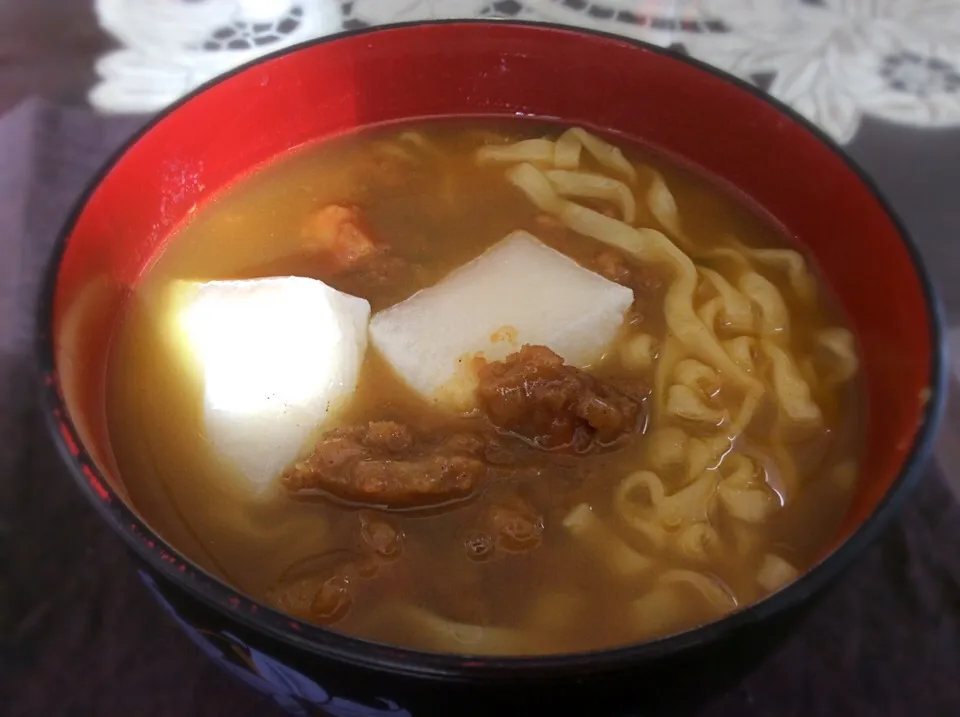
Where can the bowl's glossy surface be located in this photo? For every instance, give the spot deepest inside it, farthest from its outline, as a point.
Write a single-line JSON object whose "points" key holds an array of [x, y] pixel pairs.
{"points": [[723, 127]]}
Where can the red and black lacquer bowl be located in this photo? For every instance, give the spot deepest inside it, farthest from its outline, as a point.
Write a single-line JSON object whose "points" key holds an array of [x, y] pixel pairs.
{"points": [[724, 127]]}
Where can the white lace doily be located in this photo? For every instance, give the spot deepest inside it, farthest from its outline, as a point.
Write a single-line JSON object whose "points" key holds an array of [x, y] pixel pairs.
{"points": [[832, 60]]}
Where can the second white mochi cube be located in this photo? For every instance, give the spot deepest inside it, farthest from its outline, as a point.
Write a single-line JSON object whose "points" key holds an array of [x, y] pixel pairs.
{"points": [[520, 291]]}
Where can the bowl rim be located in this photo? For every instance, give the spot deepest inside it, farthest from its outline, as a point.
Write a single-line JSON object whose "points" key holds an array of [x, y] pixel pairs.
{"points": [[169, 563]]}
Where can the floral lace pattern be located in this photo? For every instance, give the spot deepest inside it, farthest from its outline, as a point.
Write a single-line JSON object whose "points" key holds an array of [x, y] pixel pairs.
{"points": [[834, 61]]}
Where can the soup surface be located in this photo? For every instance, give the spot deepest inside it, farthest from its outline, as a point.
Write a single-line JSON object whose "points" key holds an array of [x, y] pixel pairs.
{"points": [[694, 463]]}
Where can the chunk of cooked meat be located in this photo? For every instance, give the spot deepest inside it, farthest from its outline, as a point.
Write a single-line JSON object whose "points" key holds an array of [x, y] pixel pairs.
{"points": [[321, 587], [332, 600], [336, 234], [386, 464], [380, 535], [534, 395], [516, 525], [548, 226], [373, 273], [344, 250], [388, 436], [391, 164], [324, 600], [615, 267], [508, 525]]}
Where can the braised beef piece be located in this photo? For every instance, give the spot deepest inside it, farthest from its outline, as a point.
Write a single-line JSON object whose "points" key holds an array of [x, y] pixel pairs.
{"points": [[321, 587], [516, 526], [531, 395], [340, 240], [614, 267], [509, 525], [336, 233], [380, 535], [534, 395], [383, 462], [644, 280]]}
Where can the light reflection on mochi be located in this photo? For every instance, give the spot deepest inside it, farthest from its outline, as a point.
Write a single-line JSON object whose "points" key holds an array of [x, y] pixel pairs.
{"points": [[518, 292], [275, 357]]}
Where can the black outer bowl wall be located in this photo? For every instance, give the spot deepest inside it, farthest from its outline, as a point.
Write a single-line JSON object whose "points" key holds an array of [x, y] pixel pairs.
{"points": [[665, 686], [308, 640]]}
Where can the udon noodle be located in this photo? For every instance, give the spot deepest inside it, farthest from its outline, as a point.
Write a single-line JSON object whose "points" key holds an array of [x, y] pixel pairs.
{"points": [[696, 364]]}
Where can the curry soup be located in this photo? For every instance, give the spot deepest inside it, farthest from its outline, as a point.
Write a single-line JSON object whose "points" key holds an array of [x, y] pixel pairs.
{"points": [[667, 431]]}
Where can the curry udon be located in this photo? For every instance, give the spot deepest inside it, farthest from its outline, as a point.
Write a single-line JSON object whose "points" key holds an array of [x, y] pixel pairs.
{"points": [[487, 387]]}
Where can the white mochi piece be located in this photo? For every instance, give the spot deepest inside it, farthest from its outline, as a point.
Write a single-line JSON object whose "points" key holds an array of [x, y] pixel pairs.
{"points": [[518, 292], [276, 357]]}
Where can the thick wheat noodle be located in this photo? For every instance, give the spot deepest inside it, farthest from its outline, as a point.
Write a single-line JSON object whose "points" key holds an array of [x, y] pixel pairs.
{"points": [[562, 154], [736, 308], [774, 316], [568, 183], [690, 332], [528, 150], [667, 361], [841, 345], [469, 638], [649, 246], [663, 206], [784, 463], [718, 595], [789, 387], [620, 558], [695, 542], [788, 261], [645, 245], [568, 150], [692, 504], [775, 572], [744, 497]]}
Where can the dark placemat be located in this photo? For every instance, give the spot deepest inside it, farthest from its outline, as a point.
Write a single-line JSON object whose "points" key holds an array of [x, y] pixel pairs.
{"points": [[88, 640]]}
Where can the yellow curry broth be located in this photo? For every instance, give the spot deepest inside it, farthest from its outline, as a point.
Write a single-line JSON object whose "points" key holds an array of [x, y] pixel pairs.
{"points": [[435, 207]]}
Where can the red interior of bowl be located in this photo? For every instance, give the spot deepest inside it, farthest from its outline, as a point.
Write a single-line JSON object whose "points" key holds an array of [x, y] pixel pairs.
{"points": [[503, 69]]}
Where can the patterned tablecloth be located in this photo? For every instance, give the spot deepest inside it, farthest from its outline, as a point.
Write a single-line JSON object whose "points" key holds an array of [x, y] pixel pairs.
{"points": [[833, 60]]}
